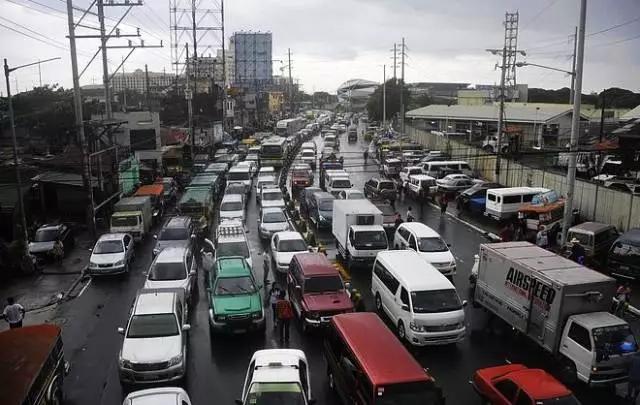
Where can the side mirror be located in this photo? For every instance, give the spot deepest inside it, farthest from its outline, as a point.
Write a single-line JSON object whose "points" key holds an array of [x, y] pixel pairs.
{"points": [[298, 288], [155, 237], [186, 327], [464, 303], [192, 273], [121, 331], [448, 244], [405, 307], [347, 285]]}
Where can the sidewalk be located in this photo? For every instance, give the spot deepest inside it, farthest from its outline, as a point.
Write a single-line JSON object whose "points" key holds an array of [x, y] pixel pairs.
{"points": [[39, 294]]}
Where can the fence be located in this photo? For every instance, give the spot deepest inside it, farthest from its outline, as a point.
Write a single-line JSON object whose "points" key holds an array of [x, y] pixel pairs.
{"points": [[596, 203]]}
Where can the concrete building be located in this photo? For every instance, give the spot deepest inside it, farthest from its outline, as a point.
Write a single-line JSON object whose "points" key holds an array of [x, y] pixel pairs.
{"points": [[252, 59], [472, 94], [526, 122], [137, 81]]}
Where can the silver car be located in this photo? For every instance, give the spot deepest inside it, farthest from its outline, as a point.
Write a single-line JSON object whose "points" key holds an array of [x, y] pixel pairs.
{"points": [[160, 396], [231, 208], [177, 232], [272, 220], [174, 267], [154, 348], [112, 254]]}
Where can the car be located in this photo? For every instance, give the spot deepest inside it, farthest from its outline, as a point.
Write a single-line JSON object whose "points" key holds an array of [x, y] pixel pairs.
{"points": [[159, 396], [267, 171], [42, 245], [321, 209], [251, 164], [406, 172], [377, 188], [173, 267], [176, 232], [308, 156], [272, 220], [420, 185], [264, 181], [424, 240], [154, 348], [112, 254], [277, 376], [235, 302], [476, 192], [231, 241], [284, 245], [303, 167], [232, 208], [254, 158], [454, 183], [316, 290], [305, 197], [391, 166], [351, 195], [170, 188], [271, 197], [241, 174], [518, 384]]}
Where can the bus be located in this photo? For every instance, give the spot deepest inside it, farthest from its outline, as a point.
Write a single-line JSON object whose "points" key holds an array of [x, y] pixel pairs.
{"points": [[272, 151], [289, 127]]}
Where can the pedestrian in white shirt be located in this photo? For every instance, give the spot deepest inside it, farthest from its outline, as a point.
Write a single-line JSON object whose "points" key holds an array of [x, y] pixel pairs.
{"points": [[542, 239], [13, 313]]}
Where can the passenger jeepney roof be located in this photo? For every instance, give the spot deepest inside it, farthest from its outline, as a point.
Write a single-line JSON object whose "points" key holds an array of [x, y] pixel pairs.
{"points": [[541, 208], [195, 195], [150, 189], [24, 351]]}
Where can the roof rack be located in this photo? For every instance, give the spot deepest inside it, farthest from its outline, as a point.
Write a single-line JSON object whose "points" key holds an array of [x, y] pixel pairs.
{"points": [[230, 228]]}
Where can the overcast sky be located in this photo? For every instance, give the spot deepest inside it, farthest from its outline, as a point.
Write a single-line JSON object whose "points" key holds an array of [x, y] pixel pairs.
{"points": [[335, 40]]}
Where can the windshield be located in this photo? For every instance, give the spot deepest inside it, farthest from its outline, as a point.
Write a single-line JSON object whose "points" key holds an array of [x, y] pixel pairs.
{"points": [[226, 249], [46, 235], [174, 234], [425, 302], [322, 284], [419, 393], [273, 217], [231, 206], [238, 176], [275, 394], [626, 253], [235, 285], [583, 238], [272, 196], [341, 183], [300, 173], [614, 340], [124, 221], [108, 246], [326, 205], [167, 271], [432, 245], [271, 150], [292, 245], [155, 325], [308, 153], [370, 240]]}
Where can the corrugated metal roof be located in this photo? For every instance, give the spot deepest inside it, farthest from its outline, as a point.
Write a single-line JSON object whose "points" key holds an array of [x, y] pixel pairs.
{"points": [[515, 112], [69, 179], [630, 115]]}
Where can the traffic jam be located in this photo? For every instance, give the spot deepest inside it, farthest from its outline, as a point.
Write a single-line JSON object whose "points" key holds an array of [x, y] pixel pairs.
{"points": [[321, 264]]}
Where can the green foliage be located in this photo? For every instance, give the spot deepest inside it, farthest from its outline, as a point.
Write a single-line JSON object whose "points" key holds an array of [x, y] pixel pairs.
{"points": [[375, 107], [614, 97]]}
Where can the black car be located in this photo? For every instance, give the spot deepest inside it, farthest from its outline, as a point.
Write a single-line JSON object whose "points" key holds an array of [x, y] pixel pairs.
{"points": [[475, 191], [305, 199], [46, 236]]}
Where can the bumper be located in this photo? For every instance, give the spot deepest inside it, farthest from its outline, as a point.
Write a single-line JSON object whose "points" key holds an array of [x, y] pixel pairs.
{"points": [[281, 268], [609, 378], [435, 338], [236, 326], [105, 271], [169, 374]]}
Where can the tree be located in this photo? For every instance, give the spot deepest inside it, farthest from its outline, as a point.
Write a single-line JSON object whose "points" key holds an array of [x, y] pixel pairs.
{"points": [[420, 101], [375, 107]]}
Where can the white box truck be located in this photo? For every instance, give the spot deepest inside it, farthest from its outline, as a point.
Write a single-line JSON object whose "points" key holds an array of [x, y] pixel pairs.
{"points": [[357, 227], [560, 305], [132, 215]]}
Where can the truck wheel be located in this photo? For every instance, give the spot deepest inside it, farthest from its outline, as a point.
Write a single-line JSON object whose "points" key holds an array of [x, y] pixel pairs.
{"points": [[378, 303], [568, 372], [402, 334]]}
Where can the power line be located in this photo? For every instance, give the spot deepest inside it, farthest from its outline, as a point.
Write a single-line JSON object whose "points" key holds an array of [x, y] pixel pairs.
{"points": [[613, 27], [32, 37], [537, 15]]}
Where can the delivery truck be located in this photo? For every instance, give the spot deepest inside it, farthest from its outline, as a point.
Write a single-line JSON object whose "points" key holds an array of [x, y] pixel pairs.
{"points": [[132, 215], [357, 228], [560, 305]]}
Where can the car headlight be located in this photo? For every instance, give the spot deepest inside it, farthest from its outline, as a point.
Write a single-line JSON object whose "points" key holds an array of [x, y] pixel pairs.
{"points": [[175, 360], [256, 315], [124, 363], [415, 327], [119, 263], [92, 264]]}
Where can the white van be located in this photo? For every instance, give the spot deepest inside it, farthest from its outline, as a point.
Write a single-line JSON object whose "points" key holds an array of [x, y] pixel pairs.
{"points": [[437, 168], [424, 240], [241, 174], [335, 183], [503, 203], [420, 301]]}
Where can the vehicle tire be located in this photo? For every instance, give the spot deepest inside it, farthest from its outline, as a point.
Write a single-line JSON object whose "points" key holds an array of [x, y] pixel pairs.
{"points": [[568, 372], [379, 303], [402, 333]]}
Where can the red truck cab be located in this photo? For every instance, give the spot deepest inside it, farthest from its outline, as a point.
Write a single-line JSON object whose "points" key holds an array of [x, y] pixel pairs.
{"points": [[316, 290], [517, 384]]}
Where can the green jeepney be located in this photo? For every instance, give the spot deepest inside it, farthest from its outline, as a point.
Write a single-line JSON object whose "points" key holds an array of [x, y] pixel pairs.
{"points": [[235, 300], [209, 181], [198, 204]]}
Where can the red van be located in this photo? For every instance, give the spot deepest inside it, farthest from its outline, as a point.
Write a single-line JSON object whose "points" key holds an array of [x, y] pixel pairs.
{"points": [[367, 364], [316, 290]]}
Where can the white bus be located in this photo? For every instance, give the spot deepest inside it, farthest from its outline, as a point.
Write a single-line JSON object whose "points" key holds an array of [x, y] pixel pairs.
{"points": [[289, 127], [504, 203], [272, 151]]}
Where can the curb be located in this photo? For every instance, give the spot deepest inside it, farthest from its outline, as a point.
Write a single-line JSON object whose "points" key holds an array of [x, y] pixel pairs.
{"points": [[67, 294]]}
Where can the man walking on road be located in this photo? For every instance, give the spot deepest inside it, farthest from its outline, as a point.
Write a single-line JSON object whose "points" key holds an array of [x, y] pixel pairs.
{"points": [[285, 313], [13, 313]]}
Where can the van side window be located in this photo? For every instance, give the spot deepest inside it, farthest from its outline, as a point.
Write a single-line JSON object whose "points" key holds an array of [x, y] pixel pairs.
{"points": [[386, 278], [404, 233], [580, 335], [412, 243], [404, 296], [513, 199], [491, 197], [507, 388], [527, 198]]}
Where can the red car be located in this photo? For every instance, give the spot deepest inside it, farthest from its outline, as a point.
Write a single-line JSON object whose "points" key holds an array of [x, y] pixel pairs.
{"points": [[516, 384], [301, 176], [316, 290]]}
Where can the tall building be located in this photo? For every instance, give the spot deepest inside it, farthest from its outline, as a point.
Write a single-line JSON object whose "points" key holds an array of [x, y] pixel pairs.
{"points": [[252, 59], [137, 81]]}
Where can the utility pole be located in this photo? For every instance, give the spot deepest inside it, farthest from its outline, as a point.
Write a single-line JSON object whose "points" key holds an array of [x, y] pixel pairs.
{"points": [[602, 115], [105, 65], [188, 94], [575, 124], [384, 97], [290, 85], [573, 65], [146, 86], [124, 88], [395, 63], [195, 46], [40, 72], [402, 55]]}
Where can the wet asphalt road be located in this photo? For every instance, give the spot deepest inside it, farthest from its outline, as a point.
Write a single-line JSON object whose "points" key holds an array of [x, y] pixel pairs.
{"points": [[216, 367]]}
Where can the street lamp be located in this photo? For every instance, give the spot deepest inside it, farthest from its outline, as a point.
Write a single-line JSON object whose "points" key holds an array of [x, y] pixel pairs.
{"points": [[522, 64], [7, 71]]}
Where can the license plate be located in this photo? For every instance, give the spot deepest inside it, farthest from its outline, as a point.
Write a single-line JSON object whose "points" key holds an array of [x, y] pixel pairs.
{"points": [[147, 377], [239, 331]]}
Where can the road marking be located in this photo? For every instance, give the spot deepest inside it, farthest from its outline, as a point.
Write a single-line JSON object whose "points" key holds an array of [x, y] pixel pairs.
{"points": [[85, 287]]}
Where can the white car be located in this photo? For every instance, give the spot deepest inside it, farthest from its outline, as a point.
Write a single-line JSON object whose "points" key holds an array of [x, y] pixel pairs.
{"points": [[454, 182], [351, 195], [154, 348], [271, 197], [277, 376], [262, 182], [308, 156], [231, 208], [112, 254], [231, 241], [284, 245], [424, 240], [174, 267], [251, 164], [406, 172], [158, 396], [272, 220], [267, 171]]}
